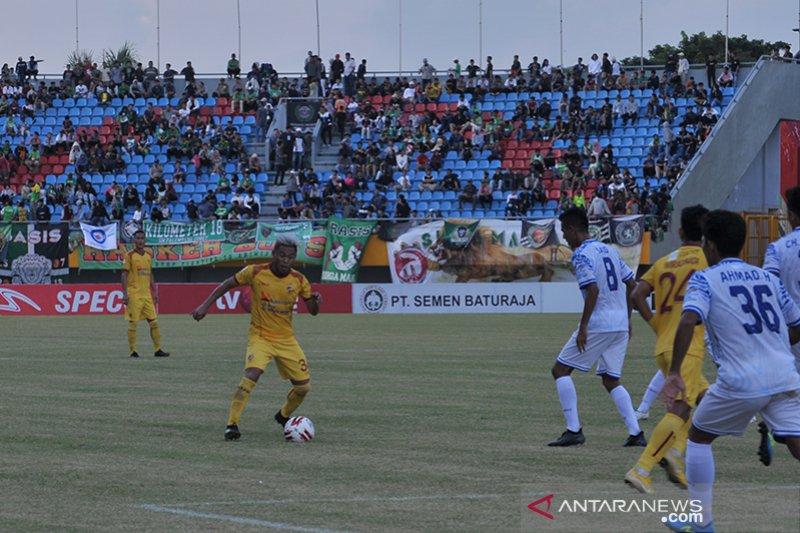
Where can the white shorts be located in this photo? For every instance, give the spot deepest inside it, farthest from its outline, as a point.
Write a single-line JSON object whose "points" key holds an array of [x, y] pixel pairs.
{"points": [[607, 348], [724, 416]]}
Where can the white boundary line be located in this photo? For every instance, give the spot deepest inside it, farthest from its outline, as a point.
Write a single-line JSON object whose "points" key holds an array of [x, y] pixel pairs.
{"points": [[355, 499], [237, 519]]}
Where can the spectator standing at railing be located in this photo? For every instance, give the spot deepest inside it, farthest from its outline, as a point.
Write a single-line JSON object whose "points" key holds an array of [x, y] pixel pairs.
{"points": [[427, 72], [349, 73], [711, 70]]}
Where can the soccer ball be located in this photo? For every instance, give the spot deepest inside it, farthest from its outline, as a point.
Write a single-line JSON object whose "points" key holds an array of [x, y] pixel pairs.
{"points": [[298, 429]]}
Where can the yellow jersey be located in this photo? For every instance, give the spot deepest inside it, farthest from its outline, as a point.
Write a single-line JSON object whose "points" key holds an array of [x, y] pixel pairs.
{"points": [[139, 269], [273, 300], [669, 277]]}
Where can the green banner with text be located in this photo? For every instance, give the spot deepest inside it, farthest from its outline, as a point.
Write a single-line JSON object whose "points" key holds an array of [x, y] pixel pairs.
{"points": [[346, 240]]}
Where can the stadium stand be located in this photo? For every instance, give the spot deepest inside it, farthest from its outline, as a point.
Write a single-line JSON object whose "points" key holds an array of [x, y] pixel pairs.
{"points": [[531, 145]]}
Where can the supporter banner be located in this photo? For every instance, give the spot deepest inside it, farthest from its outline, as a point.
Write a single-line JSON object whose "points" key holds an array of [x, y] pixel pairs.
{"points": [[100, 237], [346, 240], [161, 233], [174, 298], [624, 233], [461, 251], [239, 241], [34, 253], [456, 250], [467, 298], [302, 112]]}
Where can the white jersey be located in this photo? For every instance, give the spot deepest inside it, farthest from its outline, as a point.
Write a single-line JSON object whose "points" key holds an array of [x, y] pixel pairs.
{"points": [[746, 311], [783, 260], [596, 263]]}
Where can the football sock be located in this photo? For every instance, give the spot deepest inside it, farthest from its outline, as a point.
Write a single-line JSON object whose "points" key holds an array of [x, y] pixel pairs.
{"points": [[568, 397], [700, 475], [660, 442], [155, 334], [240, 398], [625, 407], [132, 336], [652, 392], [295, 397], [682, 435]]}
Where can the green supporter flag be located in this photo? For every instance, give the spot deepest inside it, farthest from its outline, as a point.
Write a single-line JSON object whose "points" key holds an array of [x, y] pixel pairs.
{"points": [[228, 242], [346, 240], [34, 253], [459, 233]]}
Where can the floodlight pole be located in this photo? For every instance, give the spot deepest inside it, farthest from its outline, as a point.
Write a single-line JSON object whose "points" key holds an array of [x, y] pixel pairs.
{"points": [[77, 45], [480, 32], [641, 35], [318, 46], [158, 33], [727, 16], [239, 22], [561, 28], [400, 36]]}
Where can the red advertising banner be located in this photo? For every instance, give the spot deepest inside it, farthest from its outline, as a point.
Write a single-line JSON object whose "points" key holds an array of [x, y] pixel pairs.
{"points": [[174, 298], [790, 154]]}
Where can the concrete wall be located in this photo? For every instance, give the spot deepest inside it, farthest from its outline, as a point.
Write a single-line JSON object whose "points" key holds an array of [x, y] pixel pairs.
{"points": [[727, 158]]}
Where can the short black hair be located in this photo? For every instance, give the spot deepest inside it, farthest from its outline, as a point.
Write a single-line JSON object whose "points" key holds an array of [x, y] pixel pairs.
{"points": [[727, 230], [575, 217], [138, 231], [692, 221], [793, 200]]}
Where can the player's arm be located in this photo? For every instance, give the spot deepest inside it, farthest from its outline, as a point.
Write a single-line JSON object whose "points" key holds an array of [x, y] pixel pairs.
{"points": [[125, 287], [794, 334], [313, 303], [221, 289], [630, 286], [153, 287], [639, 298], [589, 303], [683, 338]]}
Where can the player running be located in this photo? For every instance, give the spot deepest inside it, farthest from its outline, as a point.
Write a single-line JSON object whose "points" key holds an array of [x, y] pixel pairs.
{"points": [[604, 330], [275, 288], [139, 294], [750, 320], [783, 260], [668, 277]]}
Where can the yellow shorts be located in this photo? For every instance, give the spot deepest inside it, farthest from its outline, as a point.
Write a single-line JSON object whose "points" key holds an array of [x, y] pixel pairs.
{"points": [[140, 309], [289, 357], [691, 373]]}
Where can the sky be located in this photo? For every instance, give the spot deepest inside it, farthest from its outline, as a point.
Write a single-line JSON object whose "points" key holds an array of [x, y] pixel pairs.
{"points": [[281, 32]]}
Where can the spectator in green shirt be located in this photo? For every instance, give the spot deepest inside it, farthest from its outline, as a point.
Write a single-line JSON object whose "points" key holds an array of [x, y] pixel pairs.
{"points": [[233, 67], [8, 212], [222, 211]]}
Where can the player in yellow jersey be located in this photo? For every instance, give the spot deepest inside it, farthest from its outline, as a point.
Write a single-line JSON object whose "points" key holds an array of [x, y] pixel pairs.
{"points": [[139, 294], [275, 288], [668, 277]]}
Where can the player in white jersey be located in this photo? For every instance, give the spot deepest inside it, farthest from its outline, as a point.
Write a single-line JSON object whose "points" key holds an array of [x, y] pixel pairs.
{"points": [[602, 336], [783, 260], [750, 321]]}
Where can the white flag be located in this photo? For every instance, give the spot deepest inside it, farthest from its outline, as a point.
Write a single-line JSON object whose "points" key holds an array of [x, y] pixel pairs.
{"points": [[100, 237]]}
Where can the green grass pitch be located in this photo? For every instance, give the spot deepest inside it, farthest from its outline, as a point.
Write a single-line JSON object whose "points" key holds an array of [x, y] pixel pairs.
{"points": [[424, 423]]}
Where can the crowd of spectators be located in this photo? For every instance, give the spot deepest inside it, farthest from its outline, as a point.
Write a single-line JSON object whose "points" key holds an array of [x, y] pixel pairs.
{"points": [[392, 134], [585, 173]]}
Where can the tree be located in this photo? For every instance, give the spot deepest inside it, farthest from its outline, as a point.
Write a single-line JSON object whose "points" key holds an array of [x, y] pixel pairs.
{"points": [[697, 48]]}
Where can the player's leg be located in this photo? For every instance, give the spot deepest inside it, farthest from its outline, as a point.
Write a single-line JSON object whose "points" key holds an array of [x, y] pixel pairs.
{"points": [[292, 365], [653, 388], [670, 429], [258, 356], [132, 338], [132, 315], [609, 368], [569, 359], [715, 416], [782, 415], [149, 314]]}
